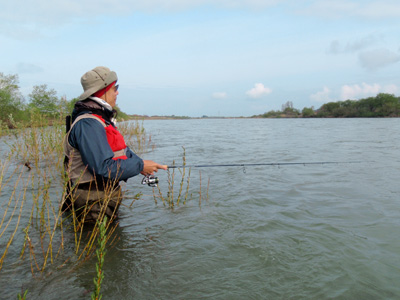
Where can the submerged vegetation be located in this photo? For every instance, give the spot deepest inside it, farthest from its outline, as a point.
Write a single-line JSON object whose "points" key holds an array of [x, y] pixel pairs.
{"points": [[382, 105]]}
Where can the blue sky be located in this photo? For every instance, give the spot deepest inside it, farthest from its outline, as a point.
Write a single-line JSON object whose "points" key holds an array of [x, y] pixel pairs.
{"points": [[203, 57]]}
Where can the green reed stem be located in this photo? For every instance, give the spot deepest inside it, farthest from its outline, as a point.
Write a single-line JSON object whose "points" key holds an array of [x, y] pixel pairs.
{"points": [[23, 297], [183, 175], [100, 252]]}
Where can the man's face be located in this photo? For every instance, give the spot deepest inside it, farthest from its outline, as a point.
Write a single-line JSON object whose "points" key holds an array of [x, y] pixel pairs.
{"points": [[111, 95]]}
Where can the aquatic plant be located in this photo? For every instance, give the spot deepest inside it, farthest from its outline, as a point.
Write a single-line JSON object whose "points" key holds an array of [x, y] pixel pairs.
{"points": [[136, 137], [100, 253], [34, 176], [4, 130], [23, 297], [84, 240], [183, 192], [12, 214]]}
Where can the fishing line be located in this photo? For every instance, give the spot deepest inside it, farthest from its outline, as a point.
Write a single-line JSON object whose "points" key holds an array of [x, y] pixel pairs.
{"points": [[152, 180]]}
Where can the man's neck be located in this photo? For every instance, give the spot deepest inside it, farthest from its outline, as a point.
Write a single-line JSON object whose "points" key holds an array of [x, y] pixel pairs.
{"points": [[101, 102]]}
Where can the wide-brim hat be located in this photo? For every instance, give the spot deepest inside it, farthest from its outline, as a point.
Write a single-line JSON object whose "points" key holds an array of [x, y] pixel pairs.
{"points": [[95, 80]]}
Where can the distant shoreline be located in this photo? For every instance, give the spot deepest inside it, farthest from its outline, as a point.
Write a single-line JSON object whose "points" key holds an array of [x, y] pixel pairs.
{"points": [[140, 117], [149, 118]]}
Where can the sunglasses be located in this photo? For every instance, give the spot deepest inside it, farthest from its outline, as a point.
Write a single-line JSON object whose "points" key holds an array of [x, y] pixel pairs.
{"points": [[116, 87]]}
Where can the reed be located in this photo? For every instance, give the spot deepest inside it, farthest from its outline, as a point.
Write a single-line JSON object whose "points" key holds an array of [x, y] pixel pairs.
{"points": [[42, 226], [173, 199], [136, 136], [34, 164], [100, 253], [33, 175], [23, 297], [39, 148], [12, 212], [4, 130]]}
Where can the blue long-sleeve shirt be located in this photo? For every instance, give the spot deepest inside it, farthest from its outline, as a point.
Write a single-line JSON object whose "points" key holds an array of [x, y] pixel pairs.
{"points": [[89, 138]]}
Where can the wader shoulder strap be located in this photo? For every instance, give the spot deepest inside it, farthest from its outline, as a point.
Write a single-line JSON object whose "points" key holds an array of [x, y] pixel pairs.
{"points": [[88, 116]]}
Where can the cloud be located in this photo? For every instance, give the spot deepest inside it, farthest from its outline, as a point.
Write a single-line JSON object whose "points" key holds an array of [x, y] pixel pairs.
{"points": [[322, 96], [179, 5], [31, 16], [369, 59], [219, 95], [381, 9], [337, 47], [365, 90], [28, 68], [258, 91], [390, 89], [378, 58], [330, 9], [344, 9]]}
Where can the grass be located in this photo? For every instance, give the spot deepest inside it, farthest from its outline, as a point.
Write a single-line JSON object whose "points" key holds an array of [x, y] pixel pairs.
{"points": [[32, 184], [100, 253], [23, 297], [178, 192], [136, 136]]}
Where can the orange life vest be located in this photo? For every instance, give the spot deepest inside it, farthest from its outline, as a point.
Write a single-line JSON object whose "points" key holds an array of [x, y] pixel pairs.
{"points": [[115, 140]]}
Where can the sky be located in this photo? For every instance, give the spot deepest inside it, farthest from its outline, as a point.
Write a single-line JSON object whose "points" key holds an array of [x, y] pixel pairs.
{"points": [[206, 57]]}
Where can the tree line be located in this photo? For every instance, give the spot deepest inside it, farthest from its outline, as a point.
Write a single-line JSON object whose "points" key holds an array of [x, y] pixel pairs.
{"points": [[43, 104], [382, 105]]}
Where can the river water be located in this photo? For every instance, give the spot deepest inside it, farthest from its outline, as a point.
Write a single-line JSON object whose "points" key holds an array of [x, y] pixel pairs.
{"points": [[323, 231]]}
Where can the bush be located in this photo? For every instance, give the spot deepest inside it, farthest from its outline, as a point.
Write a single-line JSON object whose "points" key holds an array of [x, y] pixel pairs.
{"points": [[11, 101]]}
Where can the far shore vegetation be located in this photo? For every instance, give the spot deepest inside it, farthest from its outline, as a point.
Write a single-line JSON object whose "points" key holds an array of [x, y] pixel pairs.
{"points": [[43, 106], [381, 106]]}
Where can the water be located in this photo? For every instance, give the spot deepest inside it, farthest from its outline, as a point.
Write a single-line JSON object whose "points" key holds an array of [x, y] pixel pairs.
{"points": [[266, 232]]}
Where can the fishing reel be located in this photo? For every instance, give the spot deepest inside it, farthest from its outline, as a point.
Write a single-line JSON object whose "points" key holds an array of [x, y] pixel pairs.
{"points": [[150, 180]]}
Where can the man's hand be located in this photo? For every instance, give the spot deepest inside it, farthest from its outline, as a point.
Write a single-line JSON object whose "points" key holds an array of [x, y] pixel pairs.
{"points": [[150, 167]]}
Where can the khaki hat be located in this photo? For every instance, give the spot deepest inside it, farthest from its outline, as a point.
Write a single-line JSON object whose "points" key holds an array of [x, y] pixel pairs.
{"points": [[95, 80]]}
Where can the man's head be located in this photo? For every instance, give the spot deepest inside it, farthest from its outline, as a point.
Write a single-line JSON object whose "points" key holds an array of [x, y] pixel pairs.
{"points": [[100, 82]]}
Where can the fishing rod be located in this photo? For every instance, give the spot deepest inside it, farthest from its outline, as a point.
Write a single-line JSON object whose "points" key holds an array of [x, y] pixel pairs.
{"points": [[152, 180], [261, 164]]}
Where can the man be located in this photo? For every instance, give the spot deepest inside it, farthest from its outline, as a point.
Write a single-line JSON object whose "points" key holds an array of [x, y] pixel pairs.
{"points": [[97, 157]]}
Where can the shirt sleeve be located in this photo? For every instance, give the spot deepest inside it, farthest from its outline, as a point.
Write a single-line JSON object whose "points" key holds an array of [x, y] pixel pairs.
{"points": [[89, 137]]}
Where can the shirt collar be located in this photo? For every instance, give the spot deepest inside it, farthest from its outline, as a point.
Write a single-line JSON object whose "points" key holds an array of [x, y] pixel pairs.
{"points": [[101, 102]]}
